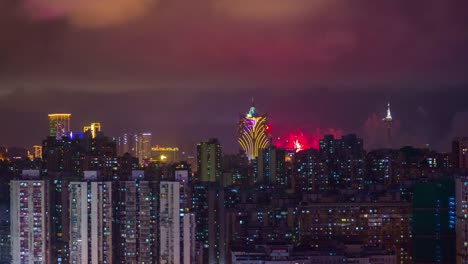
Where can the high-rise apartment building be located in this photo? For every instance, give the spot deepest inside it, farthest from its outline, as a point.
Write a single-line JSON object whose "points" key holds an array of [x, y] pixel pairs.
{"points": [[176, 226], [136, 221], [59, 125], [29, 225], [169, 223], [253, 132], [271, 166], [127, 144], [143, 147], [310, 174], [59, 219], [433, 230], [91, 222], [342, 162], [209, 161], [208, 203], [461, 193], [62, 156], [460, 153], [100, 155]]}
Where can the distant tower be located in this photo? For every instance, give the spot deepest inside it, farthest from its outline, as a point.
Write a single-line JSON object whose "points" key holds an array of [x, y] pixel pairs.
{"points": [[253, 132], [143, 152], [388, 120]]}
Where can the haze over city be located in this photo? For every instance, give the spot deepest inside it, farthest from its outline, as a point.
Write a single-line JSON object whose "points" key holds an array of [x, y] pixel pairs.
{"points": [[185, 70]]}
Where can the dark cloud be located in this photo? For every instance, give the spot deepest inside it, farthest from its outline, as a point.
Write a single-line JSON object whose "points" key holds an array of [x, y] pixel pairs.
{"points": [[266, 42]]}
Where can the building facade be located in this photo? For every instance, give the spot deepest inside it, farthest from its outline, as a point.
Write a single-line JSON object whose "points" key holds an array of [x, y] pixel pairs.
{"points": [[91, 216], [29, 224], [176, 226], [136, 218], [461, 192]]}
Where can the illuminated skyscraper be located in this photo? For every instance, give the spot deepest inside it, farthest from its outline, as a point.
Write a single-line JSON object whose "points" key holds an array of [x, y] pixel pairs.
{"points": [[37, 152], [388, 120], [253, 132], [94, 128], [59, 125]]}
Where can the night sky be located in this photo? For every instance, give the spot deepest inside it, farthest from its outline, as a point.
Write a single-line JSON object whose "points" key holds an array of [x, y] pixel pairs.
{"points": [[184, 70]]}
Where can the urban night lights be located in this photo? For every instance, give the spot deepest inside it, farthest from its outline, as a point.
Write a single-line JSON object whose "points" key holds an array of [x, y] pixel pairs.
{"points": [[127, 136], [99, 199]]}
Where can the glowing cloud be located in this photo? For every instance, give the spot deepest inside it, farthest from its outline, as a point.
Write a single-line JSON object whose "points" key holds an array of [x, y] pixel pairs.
{"points": [[89, 13], [267, 10]]}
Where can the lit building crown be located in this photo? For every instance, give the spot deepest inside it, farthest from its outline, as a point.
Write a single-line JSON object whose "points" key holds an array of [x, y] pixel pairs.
{"points": [[253, 132], [94, 128], [252, 112]]}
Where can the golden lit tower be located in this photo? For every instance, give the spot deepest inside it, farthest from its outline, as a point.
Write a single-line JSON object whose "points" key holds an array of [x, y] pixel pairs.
{"points": [[37, 152], [94, 128], [253, 132], [388, 120], [59, 125]]}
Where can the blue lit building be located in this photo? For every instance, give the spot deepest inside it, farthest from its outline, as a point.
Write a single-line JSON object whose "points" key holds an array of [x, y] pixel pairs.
{"points": [[434, 222]]}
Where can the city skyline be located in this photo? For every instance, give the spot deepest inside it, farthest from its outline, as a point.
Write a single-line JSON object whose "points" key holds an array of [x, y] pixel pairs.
{"points": [[373, 130], [335, 203], [130, 133]]}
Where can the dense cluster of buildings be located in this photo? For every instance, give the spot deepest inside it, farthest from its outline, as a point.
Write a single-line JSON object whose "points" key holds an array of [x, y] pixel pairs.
{"points": [[89, 198]]}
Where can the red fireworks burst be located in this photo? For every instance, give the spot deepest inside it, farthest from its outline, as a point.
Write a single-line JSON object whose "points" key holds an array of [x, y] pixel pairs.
{"points": [[298, 140]]}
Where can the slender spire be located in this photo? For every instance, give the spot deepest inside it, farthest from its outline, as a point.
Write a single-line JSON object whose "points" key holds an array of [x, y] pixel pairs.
{"points": [[388, 118], [389, 113], [388, 123], [253, 101]]}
